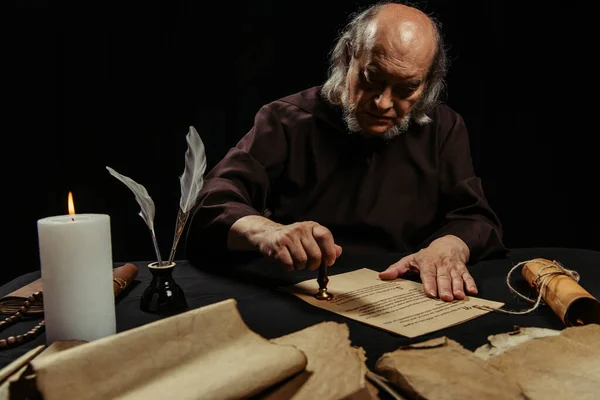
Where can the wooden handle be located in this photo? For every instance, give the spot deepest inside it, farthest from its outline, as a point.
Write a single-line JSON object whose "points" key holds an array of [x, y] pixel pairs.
{"points": [[323, 280]]}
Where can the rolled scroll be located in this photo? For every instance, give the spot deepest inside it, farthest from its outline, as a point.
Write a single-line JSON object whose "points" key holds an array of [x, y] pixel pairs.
{"points": [[12, 302], [571, 302]]}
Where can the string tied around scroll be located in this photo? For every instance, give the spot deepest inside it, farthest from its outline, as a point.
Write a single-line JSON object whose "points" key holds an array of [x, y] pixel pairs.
{"points": [[540, 283]]}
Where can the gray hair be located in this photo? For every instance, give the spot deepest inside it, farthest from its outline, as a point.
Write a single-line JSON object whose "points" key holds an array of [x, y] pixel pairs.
{"points": [[356, 36]]}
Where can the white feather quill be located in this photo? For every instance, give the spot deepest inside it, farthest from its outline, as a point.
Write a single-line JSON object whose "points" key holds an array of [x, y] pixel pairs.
{"points": [[146, 204], [191, 181], [192, 178]]}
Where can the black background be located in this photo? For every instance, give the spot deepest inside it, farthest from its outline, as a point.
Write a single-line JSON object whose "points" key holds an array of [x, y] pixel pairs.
{"points": [[119, 83]]}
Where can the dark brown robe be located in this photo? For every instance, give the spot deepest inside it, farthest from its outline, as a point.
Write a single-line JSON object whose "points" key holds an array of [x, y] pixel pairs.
{"points": [[300, 163]]}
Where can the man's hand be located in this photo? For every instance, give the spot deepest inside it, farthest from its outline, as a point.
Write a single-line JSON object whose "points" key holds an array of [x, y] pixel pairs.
{"points": [[296, 246], [441, 266]]}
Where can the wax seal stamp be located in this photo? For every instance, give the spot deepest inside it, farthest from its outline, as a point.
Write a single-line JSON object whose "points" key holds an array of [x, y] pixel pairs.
{"points": [[323, 280]]}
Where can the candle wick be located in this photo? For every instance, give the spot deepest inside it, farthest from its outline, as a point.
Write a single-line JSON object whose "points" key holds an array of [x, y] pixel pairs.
{"points": [[73, 219]]}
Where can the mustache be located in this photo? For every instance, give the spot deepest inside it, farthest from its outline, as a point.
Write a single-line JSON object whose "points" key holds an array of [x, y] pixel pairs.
{"points": [[400, 125]]}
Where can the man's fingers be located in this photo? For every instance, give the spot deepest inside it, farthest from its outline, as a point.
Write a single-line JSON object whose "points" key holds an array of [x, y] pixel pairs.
{"points": [[338, 251], [428, 277], [324, 240], [284, 257], [457, 284], [313, 251], [393, 271], [469, 283], [298, 254], [444, 286]]}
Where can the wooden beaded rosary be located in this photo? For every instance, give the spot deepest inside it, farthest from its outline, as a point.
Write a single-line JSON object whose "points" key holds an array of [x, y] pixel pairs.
{"points": [[20, 315]]}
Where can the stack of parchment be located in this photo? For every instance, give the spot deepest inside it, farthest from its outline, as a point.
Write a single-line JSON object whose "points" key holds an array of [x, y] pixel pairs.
{"points": [[210, 353], [206, 353], [530, 363]]}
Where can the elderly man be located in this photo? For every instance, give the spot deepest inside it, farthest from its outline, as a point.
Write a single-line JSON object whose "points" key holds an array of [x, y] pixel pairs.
{"points": [[370, 161]]}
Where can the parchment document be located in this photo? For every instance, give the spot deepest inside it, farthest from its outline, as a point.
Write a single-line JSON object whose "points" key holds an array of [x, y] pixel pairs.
{"points": [[336, 369], [398, 305], [540, 364], [206, 353], [441, 369]]}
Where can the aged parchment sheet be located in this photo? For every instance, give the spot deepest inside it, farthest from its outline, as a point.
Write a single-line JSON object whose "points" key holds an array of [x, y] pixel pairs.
{"points": [[204, 353], [398, 306]]}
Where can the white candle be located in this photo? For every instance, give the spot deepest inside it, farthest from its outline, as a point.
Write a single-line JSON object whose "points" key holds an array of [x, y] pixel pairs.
{"points": [[77, 277]]}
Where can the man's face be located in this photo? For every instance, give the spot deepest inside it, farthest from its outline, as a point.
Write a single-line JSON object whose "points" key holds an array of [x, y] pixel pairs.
{"points": [[381, 91]]}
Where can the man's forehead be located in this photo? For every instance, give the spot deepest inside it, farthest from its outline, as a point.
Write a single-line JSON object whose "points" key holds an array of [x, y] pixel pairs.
{"points": [[399, 68], [404, 46]]}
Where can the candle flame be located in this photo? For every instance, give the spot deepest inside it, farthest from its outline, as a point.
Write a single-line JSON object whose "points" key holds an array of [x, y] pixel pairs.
{"points": [[71, 204]]}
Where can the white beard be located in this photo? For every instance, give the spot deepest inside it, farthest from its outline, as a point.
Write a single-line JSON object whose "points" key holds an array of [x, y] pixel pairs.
{"points": [[354, 127]]}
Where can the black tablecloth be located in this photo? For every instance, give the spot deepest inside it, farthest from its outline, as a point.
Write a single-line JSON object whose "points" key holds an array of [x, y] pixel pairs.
{"points": [[272, 313]]}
